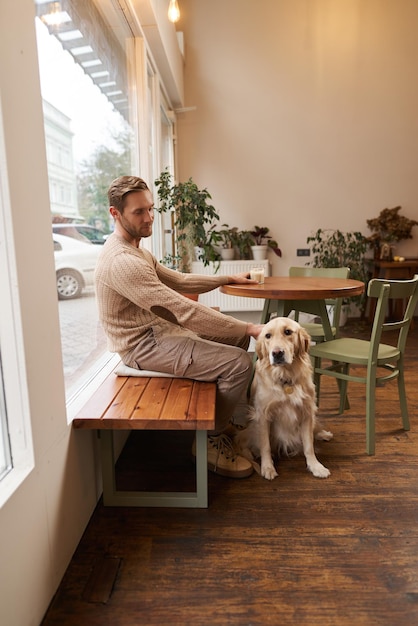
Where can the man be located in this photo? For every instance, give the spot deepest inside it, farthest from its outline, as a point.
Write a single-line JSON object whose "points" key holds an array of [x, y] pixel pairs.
{"points": [[152, 326]]}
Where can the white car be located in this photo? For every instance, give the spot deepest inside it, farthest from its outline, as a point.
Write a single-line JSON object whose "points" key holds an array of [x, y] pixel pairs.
{"points": [[82, 232], [75, 262]]}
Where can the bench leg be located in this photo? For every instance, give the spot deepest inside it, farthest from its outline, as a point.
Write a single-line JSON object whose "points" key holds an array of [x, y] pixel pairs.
{"points": [[113, 497]]}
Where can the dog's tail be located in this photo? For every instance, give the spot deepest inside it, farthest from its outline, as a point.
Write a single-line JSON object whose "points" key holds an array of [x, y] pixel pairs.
{"points": [[238, 436], [246, 453]]}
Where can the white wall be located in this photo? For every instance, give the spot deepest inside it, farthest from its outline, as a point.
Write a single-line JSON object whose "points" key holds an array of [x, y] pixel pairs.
{"points": [[42, 522], [306, 113]]}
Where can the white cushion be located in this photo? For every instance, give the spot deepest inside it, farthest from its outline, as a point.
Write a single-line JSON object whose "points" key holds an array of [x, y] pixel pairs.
{"points": [[124, 370]]}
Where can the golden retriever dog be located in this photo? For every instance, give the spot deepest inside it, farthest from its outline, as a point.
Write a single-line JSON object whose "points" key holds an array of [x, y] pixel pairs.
{"points": [[283, 407]]}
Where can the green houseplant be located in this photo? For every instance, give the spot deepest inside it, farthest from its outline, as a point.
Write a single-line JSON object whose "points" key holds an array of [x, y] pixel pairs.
{"points": [[224, 239], [193, 218], [334, 248], [262, 241], [231, 242], [244, 241]]}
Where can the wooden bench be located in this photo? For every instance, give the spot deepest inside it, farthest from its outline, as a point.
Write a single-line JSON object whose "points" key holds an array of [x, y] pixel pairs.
{"points": [[150, 403]]}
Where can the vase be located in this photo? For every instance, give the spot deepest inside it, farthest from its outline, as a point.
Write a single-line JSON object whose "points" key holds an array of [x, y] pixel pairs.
{"points": [[227, 254], [386, 252], [259, 252]]}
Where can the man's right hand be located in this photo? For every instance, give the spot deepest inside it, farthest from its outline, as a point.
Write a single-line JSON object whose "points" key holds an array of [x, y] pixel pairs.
{"points": [[253, 330]]}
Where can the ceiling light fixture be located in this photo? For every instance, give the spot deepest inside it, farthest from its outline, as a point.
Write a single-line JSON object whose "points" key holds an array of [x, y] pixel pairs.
{"points": [[173, 11]]}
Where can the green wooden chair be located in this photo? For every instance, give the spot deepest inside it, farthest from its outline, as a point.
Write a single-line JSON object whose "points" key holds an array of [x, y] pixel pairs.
{"points": [[382, 361], [316, 330]]}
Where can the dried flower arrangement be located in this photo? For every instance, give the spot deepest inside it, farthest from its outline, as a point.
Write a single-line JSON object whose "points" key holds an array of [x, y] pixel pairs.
{"points": [[390, 227]]}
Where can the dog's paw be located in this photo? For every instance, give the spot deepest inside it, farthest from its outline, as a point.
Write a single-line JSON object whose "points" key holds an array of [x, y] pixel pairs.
{"points": [[319, 470], [268, 471], [324, 435]]}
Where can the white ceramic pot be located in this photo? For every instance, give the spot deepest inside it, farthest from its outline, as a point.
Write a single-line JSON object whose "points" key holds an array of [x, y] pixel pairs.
{"points": [[198, 252], [227, 254], [259, 252]]}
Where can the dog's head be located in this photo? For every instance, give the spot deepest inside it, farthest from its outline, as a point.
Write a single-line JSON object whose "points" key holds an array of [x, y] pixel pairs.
{"points": [[281, 341]]}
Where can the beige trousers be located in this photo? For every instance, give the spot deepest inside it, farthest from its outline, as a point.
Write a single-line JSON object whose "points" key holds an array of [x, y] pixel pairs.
{"points": [[211, 359]]}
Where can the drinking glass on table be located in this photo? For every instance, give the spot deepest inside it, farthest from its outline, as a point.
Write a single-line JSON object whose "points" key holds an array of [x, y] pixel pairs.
{"points": [[257, 273]]}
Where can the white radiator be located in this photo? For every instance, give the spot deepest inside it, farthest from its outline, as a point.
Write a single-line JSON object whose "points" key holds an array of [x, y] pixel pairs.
{"points": [[229, 268]]}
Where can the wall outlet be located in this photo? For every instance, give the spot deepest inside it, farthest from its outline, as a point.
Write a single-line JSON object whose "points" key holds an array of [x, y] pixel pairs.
{"points": [[303, 252]]}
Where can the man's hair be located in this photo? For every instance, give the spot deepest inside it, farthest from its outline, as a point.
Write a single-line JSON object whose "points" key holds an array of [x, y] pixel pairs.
{"points": [[121, 186]]}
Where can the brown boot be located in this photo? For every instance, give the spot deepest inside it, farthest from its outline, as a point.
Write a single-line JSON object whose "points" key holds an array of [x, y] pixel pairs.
{"points": [[223, 458]]}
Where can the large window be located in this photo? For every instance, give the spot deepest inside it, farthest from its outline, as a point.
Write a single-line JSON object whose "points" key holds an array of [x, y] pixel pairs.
{"points": [[86, 70], [87, 57]]}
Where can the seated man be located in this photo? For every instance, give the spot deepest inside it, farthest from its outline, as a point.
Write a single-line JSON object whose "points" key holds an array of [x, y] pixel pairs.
{"points": [[152, 326]]}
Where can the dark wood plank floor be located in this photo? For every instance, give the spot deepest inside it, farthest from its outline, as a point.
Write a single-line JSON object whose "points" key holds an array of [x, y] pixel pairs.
{"points": [[298, 550]]}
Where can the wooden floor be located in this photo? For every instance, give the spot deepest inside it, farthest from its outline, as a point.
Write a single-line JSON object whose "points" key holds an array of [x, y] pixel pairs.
{"points": [[298, 550]]}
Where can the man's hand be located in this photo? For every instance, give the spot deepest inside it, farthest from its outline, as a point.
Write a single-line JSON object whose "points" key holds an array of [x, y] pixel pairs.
{"points": [[253, 330], [242, 278]]}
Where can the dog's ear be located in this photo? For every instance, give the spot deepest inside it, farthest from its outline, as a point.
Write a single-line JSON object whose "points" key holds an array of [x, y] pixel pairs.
{"points": [[304, 341], [259, 347]]}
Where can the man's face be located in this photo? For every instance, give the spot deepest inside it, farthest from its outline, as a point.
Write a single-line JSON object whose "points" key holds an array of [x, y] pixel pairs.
{"points": [[138, 215]]}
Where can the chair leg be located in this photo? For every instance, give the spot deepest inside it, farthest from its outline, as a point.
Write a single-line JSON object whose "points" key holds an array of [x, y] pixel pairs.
{"points": [[317, 379], [343, 388], [402, 398], [343, 385], [370, 411]]}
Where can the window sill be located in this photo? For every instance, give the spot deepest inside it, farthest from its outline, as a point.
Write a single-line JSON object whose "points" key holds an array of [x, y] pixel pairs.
{"points": [[93, 380]]}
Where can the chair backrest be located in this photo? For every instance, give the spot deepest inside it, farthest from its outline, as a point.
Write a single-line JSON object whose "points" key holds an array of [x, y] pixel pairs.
{"points": [[331, 272], [324, 272], [385, 290]]}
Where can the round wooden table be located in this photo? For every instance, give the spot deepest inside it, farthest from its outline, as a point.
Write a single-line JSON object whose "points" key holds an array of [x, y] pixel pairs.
{"points": [[279, 291]]}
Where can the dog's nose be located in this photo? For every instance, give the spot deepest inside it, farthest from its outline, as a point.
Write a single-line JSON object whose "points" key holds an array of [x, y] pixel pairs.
{"points": [[278, 356]]}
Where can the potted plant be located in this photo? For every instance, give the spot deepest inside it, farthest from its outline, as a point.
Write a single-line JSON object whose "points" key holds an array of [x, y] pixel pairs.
{"points": [[172, 261], [388, 228], [225, 240], [244, 241], [193, 217], [333, 248], [262, 241]]}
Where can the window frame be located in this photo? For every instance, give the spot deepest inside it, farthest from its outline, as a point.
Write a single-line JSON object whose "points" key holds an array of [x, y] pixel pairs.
{"points": [[14, 379]]}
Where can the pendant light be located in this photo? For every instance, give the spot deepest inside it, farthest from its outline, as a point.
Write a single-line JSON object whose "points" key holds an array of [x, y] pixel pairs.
{"points": [[173, 11]]}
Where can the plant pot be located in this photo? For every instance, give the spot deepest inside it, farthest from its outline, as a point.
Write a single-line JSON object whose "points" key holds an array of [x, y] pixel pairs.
{"points": [[199, 253], [227, 254], [344, 315], [259, 252]]}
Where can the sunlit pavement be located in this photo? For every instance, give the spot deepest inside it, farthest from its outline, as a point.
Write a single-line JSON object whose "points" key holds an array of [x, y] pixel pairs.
{"points": [[82, 337]]}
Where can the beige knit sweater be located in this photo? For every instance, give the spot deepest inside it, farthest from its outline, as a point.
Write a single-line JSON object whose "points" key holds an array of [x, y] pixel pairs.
{"points": [[135, 292]]}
